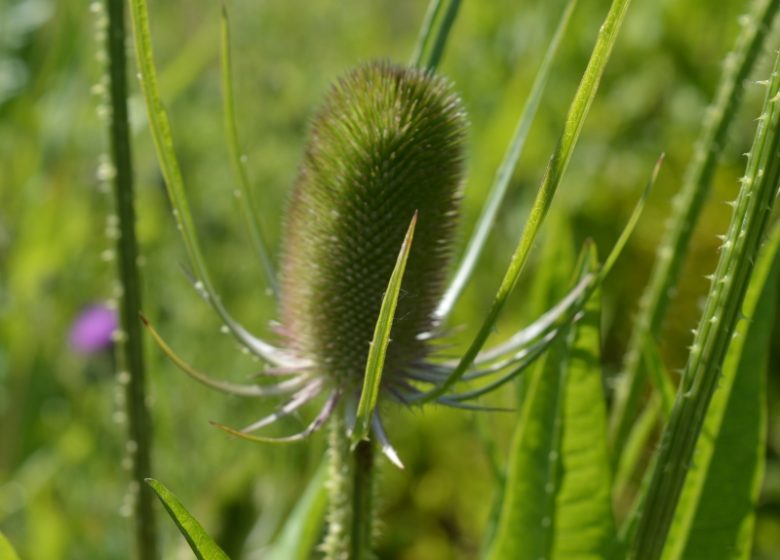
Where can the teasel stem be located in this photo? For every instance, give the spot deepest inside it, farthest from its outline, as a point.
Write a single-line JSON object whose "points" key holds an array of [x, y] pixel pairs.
{"points": [[351, 495], [686, 209], [130, 342], [752, 210]]}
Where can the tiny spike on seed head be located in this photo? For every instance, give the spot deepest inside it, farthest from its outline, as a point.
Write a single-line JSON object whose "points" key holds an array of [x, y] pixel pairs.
{"points": [[387, 142]]}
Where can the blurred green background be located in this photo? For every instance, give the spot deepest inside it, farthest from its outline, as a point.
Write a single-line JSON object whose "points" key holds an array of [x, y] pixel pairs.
{"points": [[62, 481]]}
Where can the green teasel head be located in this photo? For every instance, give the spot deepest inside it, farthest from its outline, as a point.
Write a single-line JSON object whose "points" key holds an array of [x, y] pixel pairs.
{"points": [[387, 144], [388, 141]]}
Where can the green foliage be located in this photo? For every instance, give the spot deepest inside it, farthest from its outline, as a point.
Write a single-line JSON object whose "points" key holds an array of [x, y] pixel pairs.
{"points": [[556, 168], [715, 517], [378, 350], [498, 189], [62, 431], [302, 529], [199, 540], [687, 207], [238, 162], [759, 187], [558, 501]]}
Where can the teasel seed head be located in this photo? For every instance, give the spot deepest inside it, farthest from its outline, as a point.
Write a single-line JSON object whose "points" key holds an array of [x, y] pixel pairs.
{"points": [[388, 141]]}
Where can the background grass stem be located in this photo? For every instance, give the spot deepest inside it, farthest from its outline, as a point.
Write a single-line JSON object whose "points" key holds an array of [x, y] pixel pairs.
{"points": [[130, 341]]}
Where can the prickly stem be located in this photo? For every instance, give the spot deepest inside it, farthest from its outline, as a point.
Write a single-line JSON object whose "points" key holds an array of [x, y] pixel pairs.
{"points": [[686, 208], [351, 522], [130, 343], [716, 326]]}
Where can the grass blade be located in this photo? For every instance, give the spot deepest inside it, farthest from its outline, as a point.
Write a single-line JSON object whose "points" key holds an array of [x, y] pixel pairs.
{"points": [[237, 160], [442, 34], [686, 210], [504, 173], [163, 141], [716, 326], [425, 32], [661, 381], [552, 179], [631, 459], [200, 542], [633, 219], [303, 527], [722, 486], [376, 354], [558, 497]]}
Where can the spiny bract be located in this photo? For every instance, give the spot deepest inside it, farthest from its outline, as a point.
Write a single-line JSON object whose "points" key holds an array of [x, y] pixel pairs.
{"points": [[387, 142]]}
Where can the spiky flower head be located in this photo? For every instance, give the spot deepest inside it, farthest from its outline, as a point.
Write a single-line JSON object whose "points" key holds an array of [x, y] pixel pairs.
{"points": [[386, 146], [387, 142]]}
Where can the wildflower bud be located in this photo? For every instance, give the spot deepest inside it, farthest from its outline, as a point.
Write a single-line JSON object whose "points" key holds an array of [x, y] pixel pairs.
{"points": [[388, 141]]}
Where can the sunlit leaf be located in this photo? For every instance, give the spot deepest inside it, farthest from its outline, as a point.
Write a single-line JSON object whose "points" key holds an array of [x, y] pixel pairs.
{"points": [[200, 542], [558, 501], [376, 354]]}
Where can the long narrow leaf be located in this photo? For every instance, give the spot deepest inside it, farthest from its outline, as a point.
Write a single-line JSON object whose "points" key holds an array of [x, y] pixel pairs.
{"points": [[237, 160], [635, 447], [716, 510], [558, 496], [426, 30], [559, 162], [442, 34], [551, 279], [163, 141], [504, 173], [376, 354], [655, 367], [303, 526], [199, 540]]}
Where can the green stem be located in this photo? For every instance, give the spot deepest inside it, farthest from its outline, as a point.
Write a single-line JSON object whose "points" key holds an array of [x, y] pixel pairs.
{"points": [[131, 347], [362, 500], [425, 32], [747, 230], [440, 41], [686, 210], [351, 504]]}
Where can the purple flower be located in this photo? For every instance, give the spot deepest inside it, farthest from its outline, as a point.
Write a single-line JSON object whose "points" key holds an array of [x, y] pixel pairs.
{"points": [[93, 329]]}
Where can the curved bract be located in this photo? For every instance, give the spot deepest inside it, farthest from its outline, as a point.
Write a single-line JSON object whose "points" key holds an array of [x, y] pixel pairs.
{"points": [[388, 142]]}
